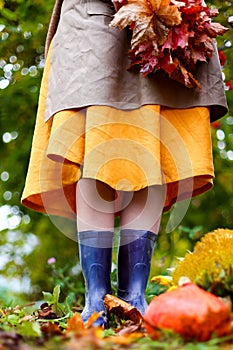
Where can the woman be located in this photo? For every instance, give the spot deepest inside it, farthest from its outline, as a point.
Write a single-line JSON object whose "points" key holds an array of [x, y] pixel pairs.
{"points": [[110, 142]]}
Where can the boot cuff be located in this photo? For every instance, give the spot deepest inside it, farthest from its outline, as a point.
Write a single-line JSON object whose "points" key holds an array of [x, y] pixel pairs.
{"points": [[129, 235], [100, 239]]}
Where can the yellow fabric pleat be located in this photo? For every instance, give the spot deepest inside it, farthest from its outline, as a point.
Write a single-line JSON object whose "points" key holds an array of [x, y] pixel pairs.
{"points": [[128, 150]]}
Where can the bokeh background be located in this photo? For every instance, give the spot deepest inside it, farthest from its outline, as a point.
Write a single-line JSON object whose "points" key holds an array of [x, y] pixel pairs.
{"points": [[28, 239]]}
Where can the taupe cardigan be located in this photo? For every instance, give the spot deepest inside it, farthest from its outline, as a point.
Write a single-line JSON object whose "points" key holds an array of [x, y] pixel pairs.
{"points": [[53, 23]]}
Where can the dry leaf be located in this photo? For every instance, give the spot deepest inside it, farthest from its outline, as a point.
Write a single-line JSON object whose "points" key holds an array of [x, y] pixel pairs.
{"points": [[150, 20], [88, 339], [129, 328], [75, 324], [51, 329], [127, 15], [125, 339], [169, 15], [92, 319], [163, 30], [217, 29], [122, 309], [47, 312], [183, 76], [156, 5], [141, 17]]}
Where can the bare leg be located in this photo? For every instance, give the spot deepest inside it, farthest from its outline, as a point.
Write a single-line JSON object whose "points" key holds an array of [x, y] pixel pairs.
{"points": [[144, 210], [95, 206]]}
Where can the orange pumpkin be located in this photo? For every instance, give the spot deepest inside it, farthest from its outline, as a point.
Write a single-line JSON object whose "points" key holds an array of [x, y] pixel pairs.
{"points": [[189, 311]]}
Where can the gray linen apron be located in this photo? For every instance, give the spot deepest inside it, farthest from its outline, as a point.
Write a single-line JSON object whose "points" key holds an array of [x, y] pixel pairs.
{"points": [[89, 66]]}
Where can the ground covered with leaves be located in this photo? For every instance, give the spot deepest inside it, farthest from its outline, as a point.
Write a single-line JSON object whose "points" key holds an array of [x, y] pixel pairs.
{"points": [[54, 325]]}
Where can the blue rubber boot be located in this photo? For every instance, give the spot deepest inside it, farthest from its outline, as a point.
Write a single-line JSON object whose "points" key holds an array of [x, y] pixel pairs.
{"points": [[134, 261], [95, 253]]}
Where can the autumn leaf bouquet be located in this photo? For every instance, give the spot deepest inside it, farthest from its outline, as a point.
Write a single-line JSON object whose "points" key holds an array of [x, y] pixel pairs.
{"points": [[169, 35]]}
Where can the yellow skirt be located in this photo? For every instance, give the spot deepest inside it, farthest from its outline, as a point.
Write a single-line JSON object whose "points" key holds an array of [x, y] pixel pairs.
{"points": [[128, 150]]}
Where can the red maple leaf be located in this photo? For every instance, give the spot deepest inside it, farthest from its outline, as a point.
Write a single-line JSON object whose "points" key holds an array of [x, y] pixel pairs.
{"points": [[222, 57], [178, 37]]}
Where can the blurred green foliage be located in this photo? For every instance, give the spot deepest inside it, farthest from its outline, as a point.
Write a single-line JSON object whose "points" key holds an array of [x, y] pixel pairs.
{"points": [[29, 239]]}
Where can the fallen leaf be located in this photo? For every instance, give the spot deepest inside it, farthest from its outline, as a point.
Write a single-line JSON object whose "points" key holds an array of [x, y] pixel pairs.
{"points": [[9, 340], [125, 339], [122, 309], [75, 324], [92, 319], [50, 329], [46, 312], [87, 340], [129, 327]]}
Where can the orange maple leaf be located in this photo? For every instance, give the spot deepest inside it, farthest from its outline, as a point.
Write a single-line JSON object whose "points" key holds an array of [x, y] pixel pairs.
{"points": [[75, 324], [149, 20]]}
